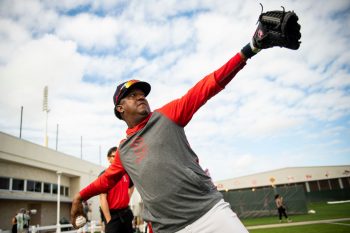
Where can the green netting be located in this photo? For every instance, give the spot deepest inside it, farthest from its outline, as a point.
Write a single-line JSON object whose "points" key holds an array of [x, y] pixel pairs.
{"points": [[329, 195], [261, 202]]}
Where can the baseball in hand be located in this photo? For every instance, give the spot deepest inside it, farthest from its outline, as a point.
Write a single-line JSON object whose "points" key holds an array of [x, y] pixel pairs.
{"points": [[80, 221]]}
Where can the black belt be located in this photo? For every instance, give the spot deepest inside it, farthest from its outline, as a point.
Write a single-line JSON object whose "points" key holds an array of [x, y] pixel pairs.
{"points": [[119, 211]]}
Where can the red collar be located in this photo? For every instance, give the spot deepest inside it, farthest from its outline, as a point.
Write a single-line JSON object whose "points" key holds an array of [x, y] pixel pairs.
{"points": [[133, 130]]}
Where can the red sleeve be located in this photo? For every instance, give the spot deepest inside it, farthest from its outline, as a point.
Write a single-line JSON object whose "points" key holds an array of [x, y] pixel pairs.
{"points": [[106, 181], [182, 110], [228, 71]]}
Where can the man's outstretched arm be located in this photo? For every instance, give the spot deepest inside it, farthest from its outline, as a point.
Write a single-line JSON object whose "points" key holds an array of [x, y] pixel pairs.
{"points": [[276, 28], [101, 185]]}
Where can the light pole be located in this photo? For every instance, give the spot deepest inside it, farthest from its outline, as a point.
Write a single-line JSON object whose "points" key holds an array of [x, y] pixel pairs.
{"points": [[47, 110], [57, 137], [20, 127], [100, 154], [81, 147]]}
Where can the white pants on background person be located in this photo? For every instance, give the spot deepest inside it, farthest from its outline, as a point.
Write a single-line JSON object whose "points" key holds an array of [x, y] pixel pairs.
{"points": [[219, 219]]}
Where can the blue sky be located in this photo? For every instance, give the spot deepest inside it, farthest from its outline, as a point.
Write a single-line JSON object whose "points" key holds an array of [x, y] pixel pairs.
{"points": [[285, 108]]}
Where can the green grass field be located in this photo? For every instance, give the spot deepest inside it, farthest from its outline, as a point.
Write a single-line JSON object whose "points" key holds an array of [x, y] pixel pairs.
{"points": [[323, 211], [314, 228]]}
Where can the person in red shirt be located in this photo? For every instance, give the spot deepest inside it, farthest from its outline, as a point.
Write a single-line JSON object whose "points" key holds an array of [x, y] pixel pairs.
{"points": [[117, 216]]}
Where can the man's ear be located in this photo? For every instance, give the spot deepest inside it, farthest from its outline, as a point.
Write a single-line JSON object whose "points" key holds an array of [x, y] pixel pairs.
{"points": [[120, 109]]}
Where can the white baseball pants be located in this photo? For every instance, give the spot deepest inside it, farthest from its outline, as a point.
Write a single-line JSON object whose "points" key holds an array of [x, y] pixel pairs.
{"points": [[219, 219]]}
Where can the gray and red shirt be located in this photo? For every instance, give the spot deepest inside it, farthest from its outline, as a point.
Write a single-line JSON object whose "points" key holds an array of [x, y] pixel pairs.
{"points": [[157, 156]]}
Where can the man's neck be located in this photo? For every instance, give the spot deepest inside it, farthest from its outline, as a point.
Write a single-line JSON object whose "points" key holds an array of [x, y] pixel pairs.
{"points": [[135, 121], [138, 125]]}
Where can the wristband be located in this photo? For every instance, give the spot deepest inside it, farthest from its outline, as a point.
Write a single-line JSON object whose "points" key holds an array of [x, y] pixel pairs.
{"points": [[249, 50]]}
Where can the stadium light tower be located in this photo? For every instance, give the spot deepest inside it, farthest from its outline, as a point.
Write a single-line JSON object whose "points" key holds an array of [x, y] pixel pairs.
{"points": [[46, 110]]}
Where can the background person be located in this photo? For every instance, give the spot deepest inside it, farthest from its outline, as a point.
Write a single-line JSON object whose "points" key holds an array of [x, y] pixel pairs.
{"points": [[22, 219], [14, 224], [280, 208], [117, 216]]}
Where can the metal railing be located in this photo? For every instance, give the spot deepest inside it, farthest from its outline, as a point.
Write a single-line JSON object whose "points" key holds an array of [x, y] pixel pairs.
{"points": [[67, 228]]}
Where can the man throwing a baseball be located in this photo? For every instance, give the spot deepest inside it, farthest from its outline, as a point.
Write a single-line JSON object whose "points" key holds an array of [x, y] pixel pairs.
{"points": [[178, 195]]}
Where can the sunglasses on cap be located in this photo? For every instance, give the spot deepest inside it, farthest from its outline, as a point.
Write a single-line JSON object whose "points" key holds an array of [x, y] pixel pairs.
{"points": [[124, 88]]}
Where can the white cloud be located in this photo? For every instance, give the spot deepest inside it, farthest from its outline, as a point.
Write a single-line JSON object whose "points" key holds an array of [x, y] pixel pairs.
{"points": [[89, 31], [83, 49], [31, 14], [12, 35], [34, 65]]}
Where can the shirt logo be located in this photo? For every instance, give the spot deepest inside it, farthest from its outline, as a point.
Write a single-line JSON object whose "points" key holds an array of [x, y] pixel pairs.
{"points": [[139, 148]]}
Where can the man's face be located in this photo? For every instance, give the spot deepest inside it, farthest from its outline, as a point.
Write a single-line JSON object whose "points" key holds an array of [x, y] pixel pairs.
{"points": [[134, 104], [111, 157]]}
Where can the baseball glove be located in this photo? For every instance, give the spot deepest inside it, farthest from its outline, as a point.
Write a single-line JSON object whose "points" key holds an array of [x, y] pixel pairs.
{"points": [[277, 28]]}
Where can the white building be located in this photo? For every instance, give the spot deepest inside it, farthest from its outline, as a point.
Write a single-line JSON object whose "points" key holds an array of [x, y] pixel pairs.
{"points": [[253, 195], [315, 180], [29, 178]]}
